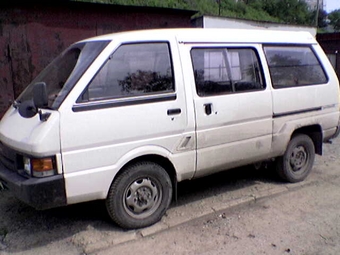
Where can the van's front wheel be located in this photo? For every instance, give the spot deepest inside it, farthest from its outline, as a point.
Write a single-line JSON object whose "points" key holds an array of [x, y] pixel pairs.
{"points": [[140, 195], [297, 162]]}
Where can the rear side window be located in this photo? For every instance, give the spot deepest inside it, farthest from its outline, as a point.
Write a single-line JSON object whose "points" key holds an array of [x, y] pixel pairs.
{"points": [[133, 70], [226, 70], [291, 66]]}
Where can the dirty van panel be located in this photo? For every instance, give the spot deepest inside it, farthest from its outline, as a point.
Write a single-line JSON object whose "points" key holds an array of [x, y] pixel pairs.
{"points": [[298, 77], [233, 107], [305, 92], [134, 101]]}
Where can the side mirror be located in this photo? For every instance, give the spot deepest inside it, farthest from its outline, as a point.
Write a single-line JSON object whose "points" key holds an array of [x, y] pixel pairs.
{"points": [[30, 108], [40, 98], [27, 109]]}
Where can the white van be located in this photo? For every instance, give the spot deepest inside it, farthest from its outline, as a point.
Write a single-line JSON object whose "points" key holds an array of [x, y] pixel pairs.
{"points": [[124, 117]]}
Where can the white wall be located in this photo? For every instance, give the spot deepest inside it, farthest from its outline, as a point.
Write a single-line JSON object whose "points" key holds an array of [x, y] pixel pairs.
{"points": [[222, 22]]}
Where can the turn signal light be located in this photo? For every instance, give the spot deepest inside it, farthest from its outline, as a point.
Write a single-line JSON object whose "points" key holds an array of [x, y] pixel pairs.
{"points": [[42, 164], [40, 167]]}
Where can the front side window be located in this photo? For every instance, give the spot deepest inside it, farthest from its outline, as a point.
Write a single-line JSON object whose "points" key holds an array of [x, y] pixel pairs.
{"points": [[291, 66], [64, 71], [133, 70], [226, 70]]}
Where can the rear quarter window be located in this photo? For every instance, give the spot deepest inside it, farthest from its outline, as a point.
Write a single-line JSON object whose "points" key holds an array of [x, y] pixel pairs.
{"points": [[291, 66]]}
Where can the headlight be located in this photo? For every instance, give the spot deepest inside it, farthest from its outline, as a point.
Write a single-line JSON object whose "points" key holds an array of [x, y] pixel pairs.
{"points": [[40, 167], [27, 165]]}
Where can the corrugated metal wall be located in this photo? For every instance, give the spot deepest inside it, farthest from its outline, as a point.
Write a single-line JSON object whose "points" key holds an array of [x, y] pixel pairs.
{"points": [[31, 35]]}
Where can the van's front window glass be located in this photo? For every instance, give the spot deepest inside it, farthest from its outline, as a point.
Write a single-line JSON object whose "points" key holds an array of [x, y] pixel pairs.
{"points": [[133, 70], [63, 72], [291, 66], [226, 70]]}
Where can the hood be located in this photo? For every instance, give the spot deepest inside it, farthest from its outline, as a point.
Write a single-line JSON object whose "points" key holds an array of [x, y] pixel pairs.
{"points": [[31, 135]]}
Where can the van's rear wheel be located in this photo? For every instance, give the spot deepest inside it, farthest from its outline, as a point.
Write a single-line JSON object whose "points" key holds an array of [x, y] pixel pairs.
{"points": [[297, 162], [140, 195]]}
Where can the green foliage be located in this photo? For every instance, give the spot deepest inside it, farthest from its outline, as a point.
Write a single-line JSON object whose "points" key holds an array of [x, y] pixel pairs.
{"points": [[240, 9], [334, 18], [286, 11]]}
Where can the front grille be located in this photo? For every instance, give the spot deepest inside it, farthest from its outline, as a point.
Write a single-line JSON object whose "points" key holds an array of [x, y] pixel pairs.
{"points": [[9, 157]]}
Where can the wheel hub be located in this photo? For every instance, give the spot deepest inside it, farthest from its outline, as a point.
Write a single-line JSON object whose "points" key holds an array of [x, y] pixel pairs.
{"points": [[298, 158], [141, 197]]}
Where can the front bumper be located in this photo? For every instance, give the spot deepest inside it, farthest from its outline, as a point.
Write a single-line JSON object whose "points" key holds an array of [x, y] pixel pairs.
{"points": [[40, 193]]}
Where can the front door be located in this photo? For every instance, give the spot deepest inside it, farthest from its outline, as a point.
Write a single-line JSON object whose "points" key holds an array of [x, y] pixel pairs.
{"points": [[134, 106]]}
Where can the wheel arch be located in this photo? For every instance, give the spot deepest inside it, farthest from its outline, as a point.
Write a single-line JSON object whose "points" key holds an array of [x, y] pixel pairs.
{"points": [[315, 133], [157, 159]]}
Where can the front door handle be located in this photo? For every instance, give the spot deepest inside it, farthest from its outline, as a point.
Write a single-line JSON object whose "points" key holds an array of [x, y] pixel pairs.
{"points": [[175, 111]]}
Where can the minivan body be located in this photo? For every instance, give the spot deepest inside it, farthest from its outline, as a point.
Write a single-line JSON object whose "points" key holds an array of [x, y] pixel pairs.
{"points": [[124, 117]]}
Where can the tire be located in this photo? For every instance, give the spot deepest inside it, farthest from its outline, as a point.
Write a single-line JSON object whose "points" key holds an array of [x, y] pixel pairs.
{"points": [[297, 162], [258, 165], [139, 196]]}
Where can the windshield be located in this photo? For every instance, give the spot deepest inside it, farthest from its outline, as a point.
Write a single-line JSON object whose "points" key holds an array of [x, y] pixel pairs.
{"points": [[64, 71]]}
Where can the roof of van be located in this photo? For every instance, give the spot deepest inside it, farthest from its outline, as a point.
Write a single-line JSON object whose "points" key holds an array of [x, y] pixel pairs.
{"points": [[214, 35]]}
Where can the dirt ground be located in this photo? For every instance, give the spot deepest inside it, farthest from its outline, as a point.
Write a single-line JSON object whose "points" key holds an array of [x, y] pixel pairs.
{"points": [[303, 220]]}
